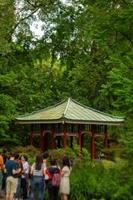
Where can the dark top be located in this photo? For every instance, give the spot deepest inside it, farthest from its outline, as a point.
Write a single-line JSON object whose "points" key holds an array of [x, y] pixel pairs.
{"points": [[18, 166], [10, 165], [53, 170]]}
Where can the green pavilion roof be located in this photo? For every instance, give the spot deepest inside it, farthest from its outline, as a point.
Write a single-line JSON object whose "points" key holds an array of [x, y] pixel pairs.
{"points": [[69, 111]]}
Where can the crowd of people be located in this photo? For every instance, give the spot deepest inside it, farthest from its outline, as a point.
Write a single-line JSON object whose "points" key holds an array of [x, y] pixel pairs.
{"points": [[22, 181]]}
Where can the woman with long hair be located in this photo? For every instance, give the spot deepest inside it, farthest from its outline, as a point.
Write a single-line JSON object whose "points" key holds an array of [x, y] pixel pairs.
{"points": [[65, 182], [37, 182]]}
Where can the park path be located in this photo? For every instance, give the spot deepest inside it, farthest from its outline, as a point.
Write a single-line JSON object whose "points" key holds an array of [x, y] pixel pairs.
{"points": [[2, 195]]}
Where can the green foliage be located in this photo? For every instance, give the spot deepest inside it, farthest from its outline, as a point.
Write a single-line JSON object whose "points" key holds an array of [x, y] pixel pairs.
{"points": [[30, 151], [93, 181], [85, 52], [127, 141], [7, 20], [58, 154], [119, 86], [73, 154], [7, 110]]}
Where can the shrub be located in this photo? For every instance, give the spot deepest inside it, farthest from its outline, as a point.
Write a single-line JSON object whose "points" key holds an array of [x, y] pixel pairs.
{"points": [[94, 181], [29, 151]]}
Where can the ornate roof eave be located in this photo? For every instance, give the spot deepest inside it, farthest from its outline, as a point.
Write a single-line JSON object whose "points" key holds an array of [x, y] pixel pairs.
{"points": [[69, 111], [67, 121], [96, 122], [38, 121]]}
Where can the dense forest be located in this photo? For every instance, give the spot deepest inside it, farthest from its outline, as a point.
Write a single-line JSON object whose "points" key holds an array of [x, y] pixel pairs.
{"points": [[84, 50]]}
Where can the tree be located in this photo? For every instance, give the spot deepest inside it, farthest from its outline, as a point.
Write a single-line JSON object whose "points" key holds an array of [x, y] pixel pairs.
{"points": [[85, 52]]}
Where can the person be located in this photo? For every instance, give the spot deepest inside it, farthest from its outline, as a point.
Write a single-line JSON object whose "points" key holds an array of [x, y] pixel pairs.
{"points": [[1, 171], [64, 189], [11, 169], [5, 158], [52, 189], [25, 176], [46, 177], [37, 182], [17, 195]]}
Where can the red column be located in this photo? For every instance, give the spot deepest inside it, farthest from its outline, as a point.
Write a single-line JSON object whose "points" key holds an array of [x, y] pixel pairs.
{"points": [[31, 134], [105, 137], [64, 136], [42, 132], [93, 149], [79, 140]]}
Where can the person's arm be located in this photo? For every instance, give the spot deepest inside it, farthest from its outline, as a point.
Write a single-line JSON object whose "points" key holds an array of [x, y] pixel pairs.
{"points": [[45, 170], [1, 162], [62, 172], [16, 169], [4, 169], [32, 168]]}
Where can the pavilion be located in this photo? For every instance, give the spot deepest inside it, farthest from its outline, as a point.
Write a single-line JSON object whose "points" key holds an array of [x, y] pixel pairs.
{"points": [[67, 120]]}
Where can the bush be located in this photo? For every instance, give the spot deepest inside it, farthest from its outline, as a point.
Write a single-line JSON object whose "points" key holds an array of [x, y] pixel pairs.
{"points": [[94, 181], [29, 151]]}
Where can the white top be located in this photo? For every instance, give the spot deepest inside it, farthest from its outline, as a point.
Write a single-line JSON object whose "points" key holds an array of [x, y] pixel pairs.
{"points": [[37, 172], [26, 168]]}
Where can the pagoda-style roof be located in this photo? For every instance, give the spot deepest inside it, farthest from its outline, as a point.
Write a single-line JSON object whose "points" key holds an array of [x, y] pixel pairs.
{"points": [[69, 111]]}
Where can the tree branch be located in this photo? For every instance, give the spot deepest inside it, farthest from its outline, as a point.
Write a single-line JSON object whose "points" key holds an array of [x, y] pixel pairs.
{"points": [[31, 4], [22, 19]]}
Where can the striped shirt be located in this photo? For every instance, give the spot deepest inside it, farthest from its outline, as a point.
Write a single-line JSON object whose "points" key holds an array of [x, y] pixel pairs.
{"points": [[36, 172]]}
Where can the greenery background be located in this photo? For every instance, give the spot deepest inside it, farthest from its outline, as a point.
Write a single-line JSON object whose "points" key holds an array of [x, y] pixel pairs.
{"points": [[85, 52]]}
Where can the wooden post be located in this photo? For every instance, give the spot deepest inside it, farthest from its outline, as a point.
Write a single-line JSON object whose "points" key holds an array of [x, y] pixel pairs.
{"points": [[93, 143], [42, 132], [79, 140], [64, 136], [31, 134], [105, 137]]}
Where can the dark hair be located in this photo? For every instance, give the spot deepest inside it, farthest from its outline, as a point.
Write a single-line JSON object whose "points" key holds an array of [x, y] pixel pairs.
{"points": [[45, 155], [12, 154], [65, 161], [25, 157], [16, 156], [53, 161], [39, 162]]}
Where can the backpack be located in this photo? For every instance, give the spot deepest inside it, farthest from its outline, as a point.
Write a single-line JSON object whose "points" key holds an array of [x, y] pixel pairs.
{"points": [[56, 179]]}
